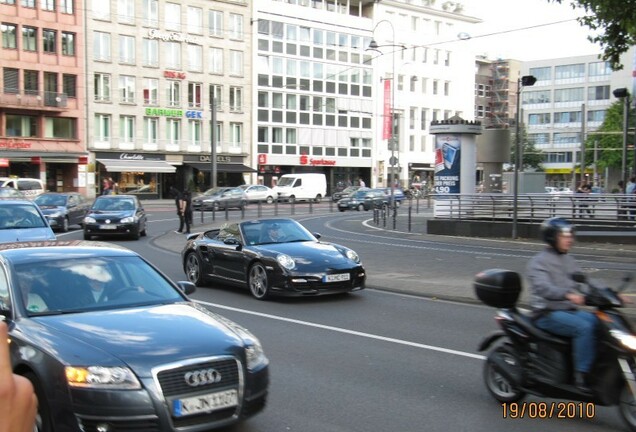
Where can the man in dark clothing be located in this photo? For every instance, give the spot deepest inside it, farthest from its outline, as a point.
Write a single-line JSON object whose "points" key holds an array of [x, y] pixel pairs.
{"points": [[555, 298], [185, 215]]}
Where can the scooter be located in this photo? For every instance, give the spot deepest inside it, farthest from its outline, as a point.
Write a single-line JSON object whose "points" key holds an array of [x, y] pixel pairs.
{"points": [[526, 359]]}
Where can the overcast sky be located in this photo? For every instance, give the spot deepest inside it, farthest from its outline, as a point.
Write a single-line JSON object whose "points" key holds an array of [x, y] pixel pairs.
{"points": [[513, 17]]}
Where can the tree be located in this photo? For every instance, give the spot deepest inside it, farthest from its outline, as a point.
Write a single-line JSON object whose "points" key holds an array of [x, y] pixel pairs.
{"points": [[615, 23], [609, 139], [530, 156]]}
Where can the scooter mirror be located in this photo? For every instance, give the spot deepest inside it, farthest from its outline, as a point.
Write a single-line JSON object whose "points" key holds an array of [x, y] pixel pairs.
{"points": [[579, 277]]}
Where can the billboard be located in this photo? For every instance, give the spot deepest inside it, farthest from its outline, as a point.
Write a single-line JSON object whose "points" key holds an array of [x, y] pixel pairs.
{"points": [[447, 163]]}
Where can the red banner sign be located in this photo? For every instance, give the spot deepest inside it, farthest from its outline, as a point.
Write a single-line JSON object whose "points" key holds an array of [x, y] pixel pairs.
{"points": [[387, 129]]}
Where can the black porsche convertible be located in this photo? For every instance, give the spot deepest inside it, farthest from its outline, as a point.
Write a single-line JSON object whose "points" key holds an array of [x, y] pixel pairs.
{"points": [[271, 257]]}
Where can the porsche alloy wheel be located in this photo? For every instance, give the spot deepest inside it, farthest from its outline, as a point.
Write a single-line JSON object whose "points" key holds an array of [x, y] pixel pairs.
{"points": [[193, 269], [257, 281]]}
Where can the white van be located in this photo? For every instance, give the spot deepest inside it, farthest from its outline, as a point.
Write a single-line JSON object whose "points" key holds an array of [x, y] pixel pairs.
{"points": [[301, 187], [30, 187]]}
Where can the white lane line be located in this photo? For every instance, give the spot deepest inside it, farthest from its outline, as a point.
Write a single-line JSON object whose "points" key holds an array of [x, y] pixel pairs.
{"points": [[349, 332]]}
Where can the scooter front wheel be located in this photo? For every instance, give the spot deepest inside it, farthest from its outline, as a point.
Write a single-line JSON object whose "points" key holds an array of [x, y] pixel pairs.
{"points": [[627, 407], [498, 381]]}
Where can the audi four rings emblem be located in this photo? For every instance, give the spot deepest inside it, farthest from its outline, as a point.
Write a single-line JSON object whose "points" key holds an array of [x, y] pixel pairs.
{"points": [[202, 377]]}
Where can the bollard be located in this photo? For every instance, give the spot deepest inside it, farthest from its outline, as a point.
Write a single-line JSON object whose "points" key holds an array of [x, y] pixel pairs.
{"points": [[243, 212], [394, 216], [213, 214], [311, 207], [276, 208], [293, 206], [384, 216], [227, 215], [260, 209], [409, 218]]}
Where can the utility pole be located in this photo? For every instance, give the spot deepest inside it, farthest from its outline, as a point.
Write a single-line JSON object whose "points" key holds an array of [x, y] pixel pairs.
{"points": [[213, 141]]}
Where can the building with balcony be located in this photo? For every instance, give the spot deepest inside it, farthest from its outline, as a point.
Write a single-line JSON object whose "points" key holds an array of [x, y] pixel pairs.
{"points": [[157, 73], [42, 128], [567, 102]]}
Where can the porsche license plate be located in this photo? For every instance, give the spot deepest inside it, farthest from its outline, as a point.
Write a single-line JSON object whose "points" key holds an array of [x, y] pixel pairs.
{"points": [[336, 277], [204, 403]]}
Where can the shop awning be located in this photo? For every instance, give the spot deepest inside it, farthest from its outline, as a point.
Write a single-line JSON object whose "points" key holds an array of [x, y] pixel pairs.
{"points": [[221, 167], [125, 165]]}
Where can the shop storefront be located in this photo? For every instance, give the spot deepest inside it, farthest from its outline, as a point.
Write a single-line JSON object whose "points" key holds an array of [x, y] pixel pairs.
{"points": [[421, 175], [230, 170], [134, 173]]}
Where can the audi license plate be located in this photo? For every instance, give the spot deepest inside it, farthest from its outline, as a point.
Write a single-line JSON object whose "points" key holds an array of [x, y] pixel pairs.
{"points": [[108, 227], [336, 277], [204, 403]]}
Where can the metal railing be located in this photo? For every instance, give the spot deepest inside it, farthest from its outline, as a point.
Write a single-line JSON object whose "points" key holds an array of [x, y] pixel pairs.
{"points": [[600, 209]]}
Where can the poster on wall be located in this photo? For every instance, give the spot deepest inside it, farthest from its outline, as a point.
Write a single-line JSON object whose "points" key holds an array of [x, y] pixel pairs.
{"points": [[447, 163]]}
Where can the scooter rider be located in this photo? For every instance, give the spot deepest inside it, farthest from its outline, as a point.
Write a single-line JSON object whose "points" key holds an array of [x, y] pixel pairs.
{"points": [[555, 299]]}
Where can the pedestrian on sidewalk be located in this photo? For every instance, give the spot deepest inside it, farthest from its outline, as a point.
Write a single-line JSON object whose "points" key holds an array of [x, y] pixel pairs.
{"points": [[185, 215]]}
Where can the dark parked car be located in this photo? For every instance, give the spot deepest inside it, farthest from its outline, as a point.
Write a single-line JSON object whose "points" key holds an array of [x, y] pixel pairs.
{"points": [[220, 198], [63, 209], [121, 215], [111, 344], [363, 199], [337, 196], [398, 195], [271, 257], [22, 220]]}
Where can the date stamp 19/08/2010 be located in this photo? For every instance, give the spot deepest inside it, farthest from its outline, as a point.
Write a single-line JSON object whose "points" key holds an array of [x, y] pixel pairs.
{"points": [[548, 410]]}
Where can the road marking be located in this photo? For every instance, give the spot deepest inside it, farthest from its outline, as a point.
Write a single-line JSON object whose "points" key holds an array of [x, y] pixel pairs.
{"points": [[347, 331]]}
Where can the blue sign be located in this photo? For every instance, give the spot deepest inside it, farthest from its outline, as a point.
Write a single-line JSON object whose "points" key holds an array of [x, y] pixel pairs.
{"points": [[447, 163], [194, 114]]}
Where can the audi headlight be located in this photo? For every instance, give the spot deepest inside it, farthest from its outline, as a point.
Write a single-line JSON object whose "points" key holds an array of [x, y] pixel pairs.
{"points": [[129, 219], [286, 261], [89, 220], [353, 256], [254, 354], [118, 378], [626, 339]]}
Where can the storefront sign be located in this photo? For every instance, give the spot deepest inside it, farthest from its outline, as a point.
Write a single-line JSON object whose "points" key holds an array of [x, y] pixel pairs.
{"points": [[164, 112], [173, 74], [262, 159], [221, 159], [14, 144], [305, 160], [194, 114], [173, 37]]}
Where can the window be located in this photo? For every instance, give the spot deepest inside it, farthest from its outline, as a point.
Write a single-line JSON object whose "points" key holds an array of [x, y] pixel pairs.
{"points": [[9, 35], [101, 46], [423, 119], [69, 85], [102, 128], [236, 134], [566, 137], [151, 130], [216, 94], [195, 95], [151, 52], [236, 63], [541, 73], [216, 23], [174, 131], [539, 139], [9, 2], [569, 71], [28, 3], [173, 93], [29, 38], [21, 126], [48, 5], [127, 49], [126, 89], [68, 44], [49, 41], [236, 99], [173, 55], [151, 91], [195, 129], [236, 26], [195, 20], [126, 129], [102, 87], [598, 93], [66, 6], [173, 16], [535, 97], [50, 83], [31, 82], [596, 115], [101, 9], [600, 69], [11, 79], [567, 117], [126, 11], [539, 119], [60, 127], [569, 95], [195, 58], [151, 13], [215, 61]]}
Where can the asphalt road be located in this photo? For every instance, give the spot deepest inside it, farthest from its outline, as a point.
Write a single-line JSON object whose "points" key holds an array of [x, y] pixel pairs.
{"points": [[387, 358]]}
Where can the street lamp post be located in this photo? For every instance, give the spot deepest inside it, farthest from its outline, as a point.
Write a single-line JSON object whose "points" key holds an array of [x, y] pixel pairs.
{"points": [[623, 93], [526, 80], [393, 140]]}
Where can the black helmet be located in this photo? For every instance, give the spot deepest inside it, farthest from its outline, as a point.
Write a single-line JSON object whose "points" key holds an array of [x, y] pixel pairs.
{"points": [[551, 227]]}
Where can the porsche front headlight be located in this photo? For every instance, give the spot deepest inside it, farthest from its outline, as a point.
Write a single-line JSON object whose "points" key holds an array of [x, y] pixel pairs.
{"points": [[119, 378], [286, 261], [353, 256]]}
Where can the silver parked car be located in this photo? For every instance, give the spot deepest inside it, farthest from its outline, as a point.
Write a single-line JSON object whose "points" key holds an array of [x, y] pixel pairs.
{"points": [[259, 193]]}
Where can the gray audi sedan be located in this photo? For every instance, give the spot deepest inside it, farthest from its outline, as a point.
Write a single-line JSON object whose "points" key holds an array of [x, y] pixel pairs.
{"points": [[111, 344]]}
